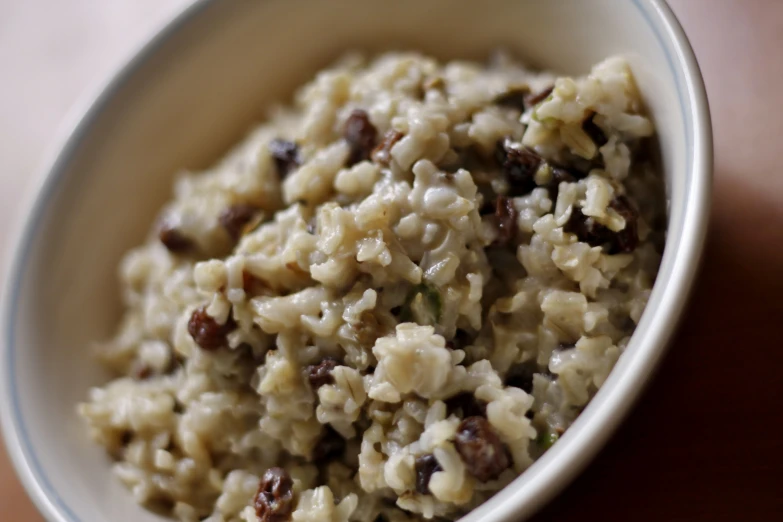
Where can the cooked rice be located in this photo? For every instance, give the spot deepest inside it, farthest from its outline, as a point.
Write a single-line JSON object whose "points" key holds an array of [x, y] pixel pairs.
{"points": [[352, 308]]}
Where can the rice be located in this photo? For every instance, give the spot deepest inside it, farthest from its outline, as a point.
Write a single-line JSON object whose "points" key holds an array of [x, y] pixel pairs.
{"points": [[389, 300]]}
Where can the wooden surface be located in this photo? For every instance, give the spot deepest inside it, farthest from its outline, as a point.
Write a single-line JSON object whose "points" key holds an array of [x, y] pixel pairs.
{"points": [[706, 441]]}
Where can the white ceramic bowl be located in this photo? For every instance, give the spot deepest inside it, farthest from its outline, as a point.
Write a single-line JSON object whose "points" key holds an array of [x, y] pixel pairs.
{"points": [[192, 91]]}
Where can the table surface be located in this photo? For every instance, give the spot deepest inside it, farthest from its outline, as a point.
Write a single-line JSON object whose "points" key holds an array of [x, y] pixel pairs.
{"points": [[703, 443]]}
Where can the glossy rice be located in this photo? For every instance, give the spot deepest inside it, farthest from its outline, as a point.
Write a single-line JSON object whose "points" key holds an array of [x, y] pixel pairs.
{"points": [[389, 299]]}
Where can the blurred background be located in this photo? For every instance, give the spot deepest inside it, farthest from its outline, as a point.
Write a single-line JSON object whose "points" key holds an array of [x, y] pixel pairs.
{"points": [[706, 441]]}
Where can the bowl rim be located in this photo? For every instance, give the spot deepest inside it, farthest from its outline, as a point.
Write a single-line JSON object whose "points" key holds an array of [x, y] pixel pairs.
{"points": [[560, 465]]}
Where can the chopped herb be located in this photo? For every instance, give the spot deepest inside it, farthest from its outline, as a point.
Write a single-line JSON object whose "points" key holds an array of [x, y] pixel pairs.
{"points": [[545, 440], [430, 298]]}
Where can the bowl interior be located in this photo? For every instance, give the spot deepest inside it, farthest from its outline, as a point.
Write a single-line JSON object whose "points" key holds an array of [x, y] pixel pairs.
{"points": [[189, 95]]}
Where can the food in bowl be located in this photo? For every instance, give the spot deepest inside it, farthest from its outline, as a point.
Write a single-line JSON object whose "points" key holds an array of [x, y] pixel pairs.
{"points": [[389, 300]]}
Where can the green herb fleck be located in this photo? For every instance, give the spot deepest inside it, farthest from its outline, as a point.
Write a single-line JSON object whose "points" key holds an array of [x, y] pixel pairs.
{"points": [[423, 303], [546, 439]]}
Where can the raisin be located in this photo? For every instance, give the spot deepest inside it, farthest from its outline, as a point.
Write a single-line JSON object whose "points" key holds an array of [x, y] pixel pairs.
{"points": [[480, 448], [595, 234], [286, 156], [559, 175], [321, 373], [594, 131], [236, 217], [126, 437], [360, 134], [521, 376], [461, 339], [627, 239], [174, 240], [275, 496], [208, 333], [506, 215], [587, 229], [466, 405], [425, 465], [514, 99], [382, 153], [331, 445], [519, 167], [535, 99]]}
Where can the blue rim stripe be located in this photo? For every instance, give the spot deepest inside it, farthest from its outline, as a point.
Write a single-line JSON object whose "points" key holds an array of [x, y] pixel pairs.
{"points": [[52, 183]]}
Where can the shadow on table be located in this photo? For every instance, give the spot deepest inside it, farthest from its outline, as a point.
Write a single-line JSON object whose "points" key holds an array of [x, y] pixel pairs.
{"points": [[706, 441]]}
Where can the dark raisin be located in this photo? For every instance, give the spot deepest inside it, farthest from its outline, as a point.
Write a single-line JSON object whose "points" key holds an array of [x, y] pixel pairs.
{"points": [[236, 217], [425, 465], [506, 215], [587, 229], [487, 207], [286, 156], [382, 153], [273, 502], [466, 405], [593, 233], [521, 376], [514, 99], [331, 445], [360, 134], [461, 339], [321, 373], [208, 333], [537, 98], [559, 175], [126, 437], [627, 239], [594, 131], [173, 239], [396, 311], [480, 448], [253, 285], [519, 167]]}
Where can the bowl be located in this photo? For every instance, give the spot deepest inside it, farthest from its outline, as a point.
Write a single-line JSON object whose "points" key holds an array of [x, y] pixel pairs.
{"points": [[193, 90]]}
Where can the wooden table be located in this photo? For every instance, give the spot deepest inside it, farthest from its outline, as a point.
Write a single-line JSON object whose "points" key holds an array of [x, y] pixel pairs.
{"points": [[703, 444]]}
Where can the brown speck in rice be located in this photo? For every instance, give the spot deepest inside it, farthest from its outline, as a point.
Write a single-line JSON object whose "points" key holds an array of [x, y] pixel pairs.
{"points": [[382, 153], [540, 96]]}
